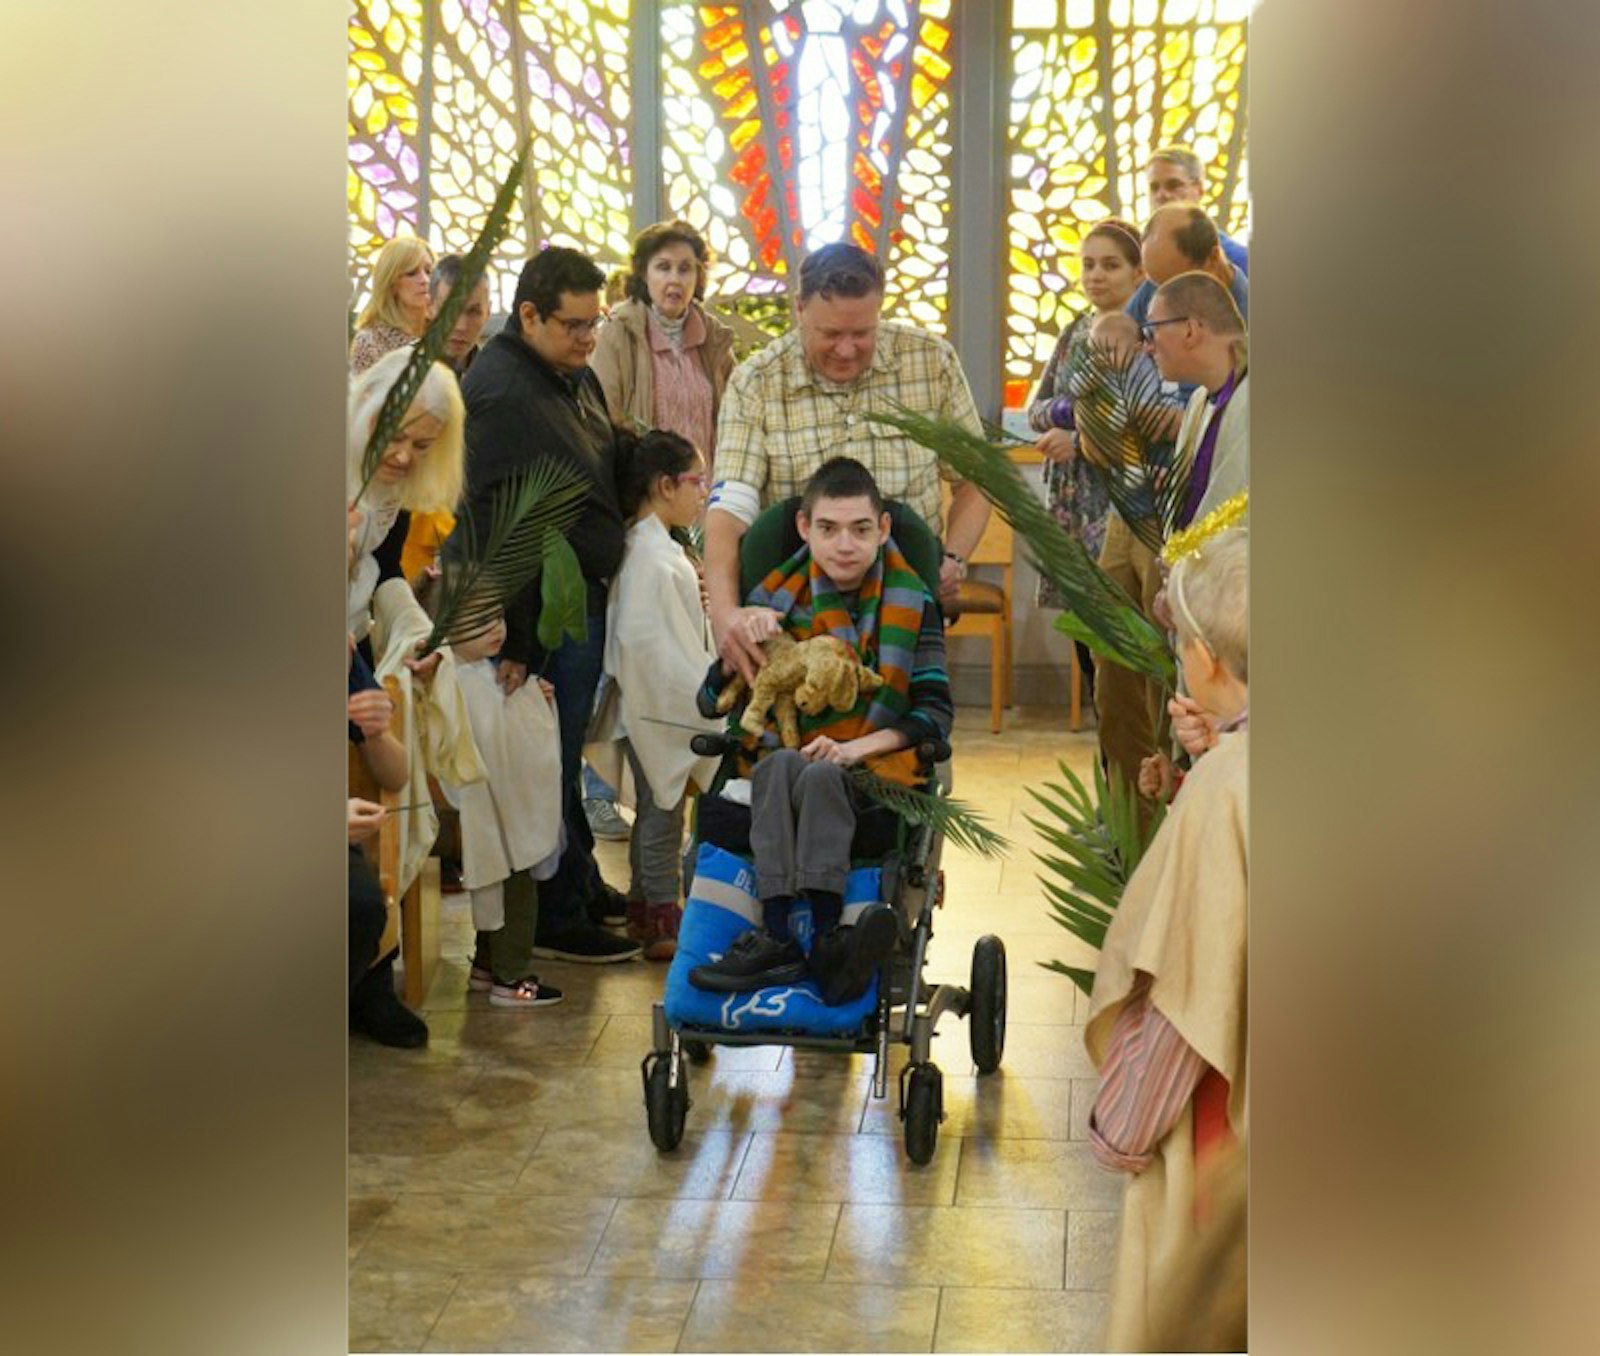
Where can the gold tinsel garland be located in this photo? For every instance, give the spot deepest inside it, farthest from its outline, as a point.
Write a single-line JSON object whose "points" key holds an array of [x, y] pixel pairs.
{"points": [[1229, 513]]}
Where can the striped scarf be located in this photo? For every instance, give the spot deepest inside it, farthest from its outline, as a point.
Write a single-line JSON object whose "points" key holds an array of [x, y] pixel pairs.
{"points": [[883, 633]]}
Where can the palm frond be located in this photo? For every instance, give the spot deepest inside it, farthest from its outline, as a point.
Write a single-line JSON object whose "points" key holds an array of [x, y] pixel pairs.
{"points": [[1112, 622], [485, 565], [933, 809], [427, 350], [1126, 425], [563, 599], [1098, 843]]}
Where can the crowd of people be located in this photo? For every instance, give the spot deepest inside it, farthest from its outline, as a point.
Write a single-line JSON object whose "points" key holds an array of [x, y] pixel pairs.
{"points": [[678, 451]]}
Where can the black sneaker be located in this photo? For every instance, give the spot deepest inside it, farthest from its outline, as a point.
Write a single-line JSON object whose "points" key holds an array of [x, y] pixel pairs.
{"points": [[587, 945], [755, 960], [843, 960], [609, 908], [389, 1022]]}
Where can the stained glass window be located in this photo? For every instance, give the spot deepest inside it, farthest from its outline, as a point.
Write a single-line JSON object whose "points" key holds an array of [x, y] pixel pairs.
{"points": [[1095, 86], [428, 155], [786, 126]]}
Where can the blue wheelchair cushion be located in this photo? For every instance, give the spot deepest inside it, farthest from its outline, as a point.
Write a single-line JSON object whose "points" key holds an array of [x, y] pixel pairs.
{"points": [[722, 903]]}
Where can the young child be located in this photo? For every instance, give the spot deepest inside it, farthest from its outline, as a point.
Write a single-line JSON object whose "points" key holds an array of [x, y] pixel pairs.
{"points": [[657, 648], [1167, 1026], [511, 834], [849, 580]]}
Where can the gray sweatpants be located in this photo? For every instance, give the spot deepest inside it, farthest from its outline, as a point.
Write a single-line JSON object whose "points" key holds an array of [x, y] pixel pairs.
{"points": [[655, 848], [801, 824]]}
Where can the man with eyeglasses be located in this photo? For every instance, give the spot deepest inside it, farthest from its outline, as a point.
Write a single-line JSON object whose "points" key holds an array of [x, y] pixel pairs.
{"points": [[1177, 174], [531, 399]]}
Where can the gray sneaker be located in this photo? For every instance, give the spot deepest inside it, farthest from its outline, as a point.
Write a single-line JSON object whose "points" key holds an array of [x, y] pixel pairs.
{"points": [[605, 821]]}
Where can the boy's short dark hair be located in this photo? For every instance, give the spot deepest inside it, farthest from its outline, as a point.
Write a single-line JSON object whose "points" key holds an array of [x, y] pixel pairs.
{"points": [[842, 270], [445, 272], [840, 478], [552, 271]]}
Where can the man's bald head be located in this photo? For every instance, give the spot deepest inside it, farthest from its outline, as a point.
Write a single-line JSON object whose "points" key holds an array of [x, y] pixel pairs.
{"points": [[1178, 238]]}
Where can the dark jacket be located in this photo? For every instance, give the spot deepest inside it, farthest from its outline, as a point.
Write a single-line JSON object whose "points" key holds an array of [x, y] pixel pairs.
{"points": [[521, 411]]}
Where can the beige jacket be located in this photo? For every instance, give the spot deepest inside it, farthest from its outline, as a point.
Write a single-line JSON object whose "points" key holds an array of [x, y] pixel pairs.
{"points": [[1230, 462], [622, 362]]}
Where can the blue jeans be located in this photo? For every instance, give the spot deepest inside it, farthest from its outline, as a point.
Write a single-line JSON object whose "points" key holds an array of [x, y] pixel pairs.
{"points": [[574, 669], [594, 788]]}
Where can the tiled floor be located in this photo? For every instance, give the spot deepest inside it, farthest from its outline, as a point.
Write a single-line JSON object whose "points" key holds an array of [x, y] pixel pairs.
{"points": [[504, 1194]]}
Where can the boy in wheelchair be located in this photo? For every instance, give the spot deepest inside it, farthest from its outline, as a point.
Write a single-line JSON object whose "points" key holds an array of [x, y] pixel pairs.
{"points": [[850, 580]]}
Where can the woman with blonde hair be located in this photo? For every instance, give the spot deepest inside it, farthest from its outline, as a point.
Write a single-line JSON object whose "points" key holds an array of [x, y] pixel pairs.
{"points": [[396, 314], [421, 470], [663, 360]]}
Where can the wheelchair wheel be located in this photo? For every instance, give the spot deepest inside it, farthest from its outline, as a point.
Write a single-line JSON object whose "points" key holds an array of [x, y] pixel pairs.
{"points": [[666, 1107], [986, 1019], [698, 1051], [924, 1110]]}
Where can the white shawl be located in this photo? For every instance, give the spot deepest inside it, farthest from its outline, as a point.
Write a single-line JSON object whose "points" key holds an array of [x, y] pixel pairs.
{"points": [[433, 721], [658, 648], [511, 821]]}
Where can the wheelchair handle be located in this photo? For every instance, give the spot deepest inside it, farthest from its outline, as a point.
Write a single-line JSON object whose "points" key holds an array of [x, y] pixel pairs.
{"points": [[712, 745], [931, 751]]}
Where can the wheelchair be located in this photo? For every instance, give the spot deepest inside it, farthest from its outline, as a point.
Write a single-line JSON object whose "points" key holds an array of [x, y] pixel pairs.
{"points": [[903, 1008]]}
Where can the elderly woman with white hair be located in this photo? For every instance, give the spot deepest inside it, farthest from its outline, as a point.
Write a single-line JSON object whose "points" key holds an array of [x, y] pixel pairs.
{"points": [[396, 314]]}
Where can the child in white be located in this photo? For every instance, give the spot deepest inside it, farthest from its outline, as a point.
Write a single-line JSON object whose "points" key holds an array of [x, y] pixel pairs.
{"points": [[658, 647], [511, 834]]}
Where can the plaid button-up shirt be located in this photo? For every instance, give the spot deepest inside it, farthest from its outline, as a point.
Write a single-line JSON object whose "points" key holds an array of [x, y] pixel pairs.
{"points": [[780, 421]]}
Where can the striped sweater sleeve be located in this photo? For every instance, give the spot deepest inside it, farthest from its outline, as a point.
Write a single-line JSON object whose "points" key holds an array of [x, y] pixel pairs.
{"points": [[1150, 1075], [931, 711]]}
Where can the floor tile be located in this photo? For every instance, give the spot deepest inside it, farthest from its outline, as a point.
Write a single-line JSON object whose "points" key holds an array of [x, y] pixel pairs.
{"points": [[991, 1106], [587, 1160], [364, 1210], [1039, 1050], [562, 1313], [488, 1231], [395, 1310], [866, 1169], [991, 1320], [496, 1038], [949, 1245], [737, 1099], [561, 1096], [744, 1316], [745, 1240], [1091, 1248], [470, 1157], [1054, 1174], [1084, 1091]]}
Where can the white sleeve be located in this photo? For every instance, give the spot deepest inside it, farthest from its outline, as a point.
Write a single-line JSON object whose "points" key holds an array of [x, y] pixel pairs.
{"points": [[736, 498]]}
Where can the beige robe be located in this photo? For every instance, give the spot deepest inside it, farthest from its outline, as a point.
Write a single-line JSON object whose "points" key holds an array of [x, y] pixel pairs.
{"points": [[1182, 921], [1230, 459], [434, 724], [511, 820], [658, 649]]}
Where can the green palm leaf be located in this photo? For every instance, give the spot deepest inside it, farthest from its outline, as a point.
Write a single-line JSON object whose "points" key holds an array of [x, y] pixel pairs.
{"points": [[427, 350], [933, 809], [1098, 843], [1120, 408], [563, 599], [1113, 624], [487, 564]]}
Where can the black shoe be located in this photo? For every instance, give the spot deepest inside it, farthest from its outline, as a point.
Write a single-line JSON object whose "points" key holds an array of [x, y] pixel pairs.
{"points": [[843, 960], [756, 960], [388, 1021], [609, 908], [587, 945]]}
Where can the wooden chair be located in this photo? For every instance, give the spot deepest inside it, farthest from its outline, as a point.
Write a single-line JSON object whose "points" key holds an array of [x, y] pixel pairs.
{"points": [[984, 608], [413, 922]]}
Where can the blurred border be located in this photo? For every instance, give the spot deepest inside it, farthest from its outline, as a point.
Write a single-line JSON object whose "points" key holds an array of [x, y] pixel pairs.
{"points": [[1425, 554], [173, 373]]}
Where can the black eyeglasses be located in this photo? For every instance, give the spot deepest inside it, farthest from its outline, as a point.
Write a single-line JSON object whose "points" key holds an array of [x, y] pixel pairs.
{"points": [[579, 329], [1147, 331]]}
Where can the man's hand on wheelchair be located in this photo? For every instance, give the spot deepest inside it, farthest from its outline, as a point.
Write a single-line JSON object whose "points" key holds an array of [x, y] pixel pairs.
{"points": [[739, 639], [825, 750]]}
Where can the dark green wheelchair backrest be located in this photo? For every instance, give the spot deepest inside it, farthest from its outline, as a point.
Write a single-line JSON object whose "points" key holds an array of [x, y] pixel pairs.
{"points": [[774, 537]]}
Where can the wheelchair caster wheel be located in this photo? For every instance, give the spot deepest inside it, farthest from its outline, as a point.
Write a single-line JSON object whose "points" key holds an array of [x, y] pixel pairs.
{"points": [[986, 1018], [666, 1107], [924, 1109]]}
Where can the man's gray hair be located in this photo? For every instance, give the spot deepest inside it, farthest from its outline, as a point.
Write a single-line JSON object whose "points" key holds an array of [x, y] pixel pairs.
{"points": [[1181, 156]]}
